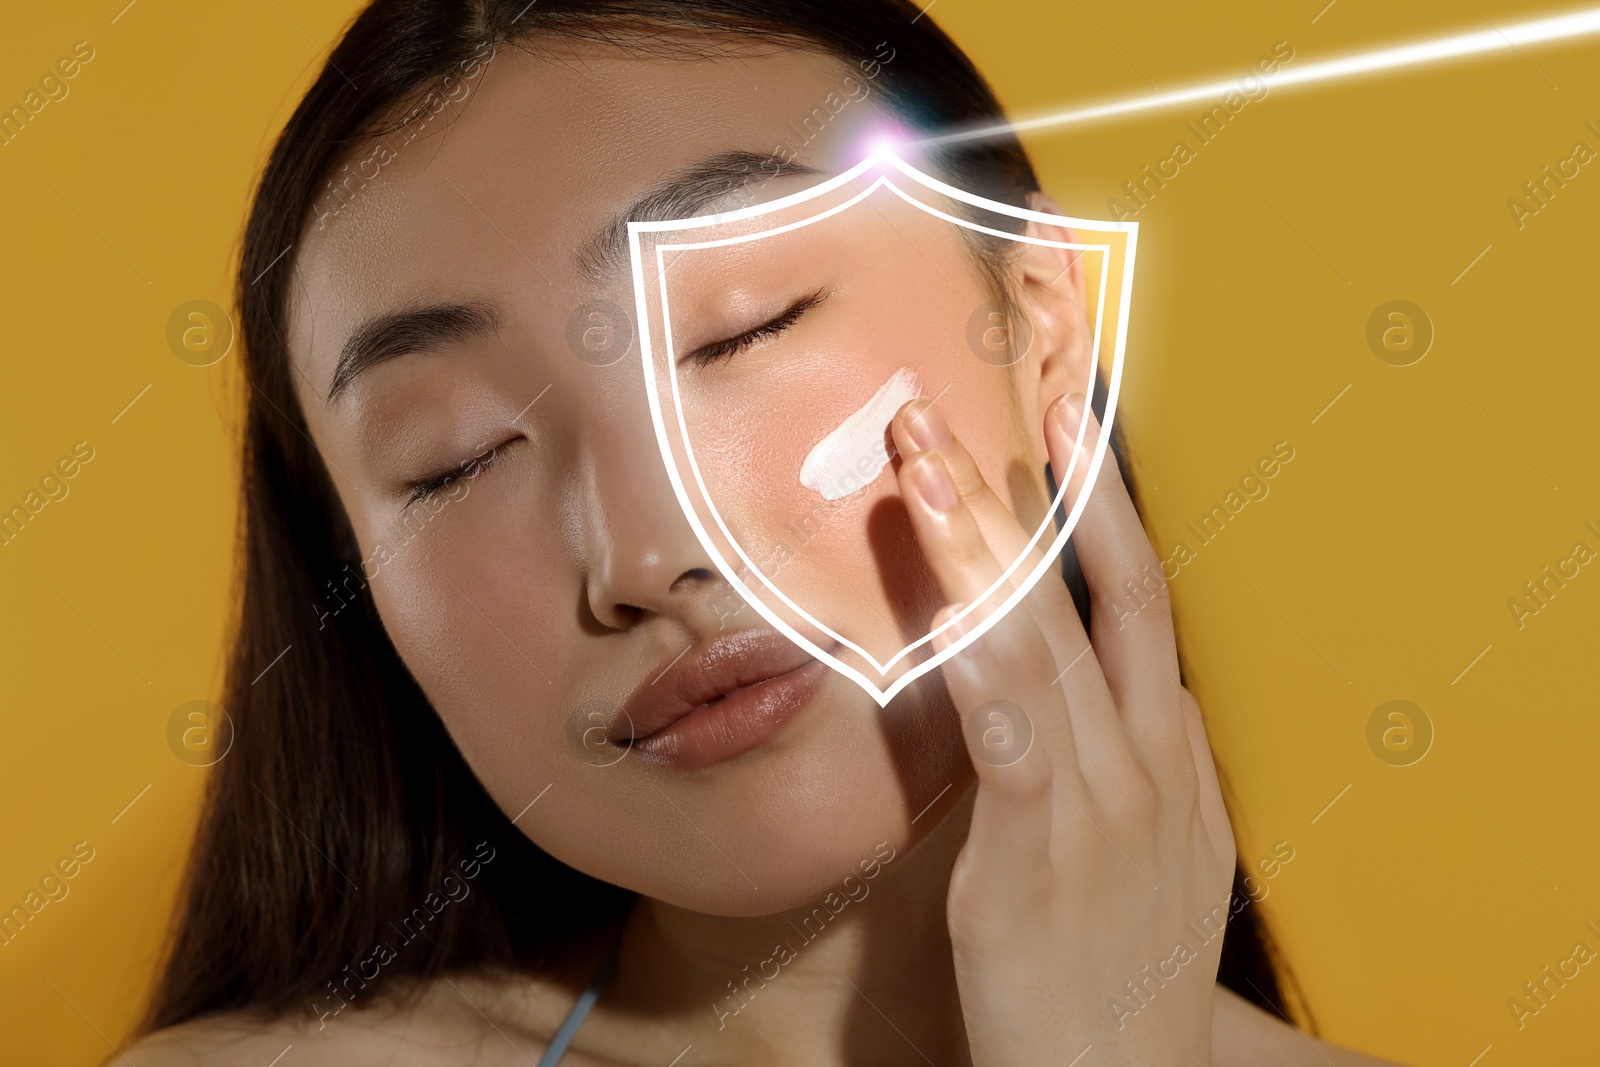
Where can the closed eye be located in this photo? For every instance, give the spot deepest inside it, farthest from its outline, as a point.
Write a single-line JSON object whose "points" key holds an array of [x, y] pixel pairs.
{"points": [[706, 355], [430, 487]]}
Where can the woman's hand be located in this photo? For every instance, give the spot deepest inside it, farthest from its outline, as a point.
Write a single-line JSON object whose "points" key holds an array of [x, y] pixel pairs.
{"points": [[1087, 906]]}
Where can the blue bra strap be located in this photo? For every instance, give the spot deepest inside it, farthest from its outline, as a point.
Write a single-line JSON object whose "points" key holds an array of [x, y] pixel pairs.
{"points": [[580, 1010]]}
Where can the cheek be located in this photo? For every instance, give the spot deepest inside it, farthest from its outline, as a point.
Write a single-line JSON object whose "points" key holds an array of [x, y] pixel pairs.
{"points": [[798, 476], [772, 467], [1009, 452], [752, 470], [466, 604]]}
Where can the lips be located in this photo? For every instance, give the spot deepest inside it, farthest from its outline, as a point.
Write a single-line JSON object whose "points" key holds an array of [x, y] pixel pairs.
{"points": [[719, 699]]}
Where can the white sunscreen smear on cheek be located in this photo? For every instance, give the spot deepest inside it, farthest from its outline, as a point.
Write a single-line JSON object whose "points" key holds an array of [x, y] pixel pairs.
{"points": [[852, 456]]}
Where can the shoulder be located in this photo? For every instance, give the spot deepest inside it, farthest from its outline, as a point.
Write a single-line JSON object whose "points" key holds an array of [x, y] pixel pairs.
{"points": [[457, 1019]]}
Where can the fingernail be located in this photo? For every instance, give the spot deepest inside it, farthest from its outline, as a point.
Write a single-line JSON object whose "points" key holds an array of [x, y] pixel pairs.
{"points": [[928, 428], [934, 484], [1069, 413]]}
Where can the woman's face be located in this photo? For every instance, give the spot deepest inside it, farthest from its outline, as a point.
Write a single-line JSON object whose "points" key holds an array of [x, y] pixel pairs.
{"points": [[553, 601]]}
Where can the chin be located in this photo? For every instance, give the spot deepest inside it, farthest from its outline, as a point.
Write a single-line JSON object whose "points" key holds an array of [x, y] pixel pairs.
{"points": [[844, 792]]}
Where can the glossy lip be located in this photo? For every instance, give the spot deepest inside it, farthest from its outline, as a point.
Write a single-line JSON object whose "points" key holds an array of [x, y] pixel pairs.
{"points": [[719, 699]]}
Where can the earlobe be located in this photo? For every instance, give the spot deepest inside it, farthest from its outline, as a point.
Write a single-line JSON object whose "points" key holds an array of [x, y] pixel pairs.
{"points": [[1052, 287]]}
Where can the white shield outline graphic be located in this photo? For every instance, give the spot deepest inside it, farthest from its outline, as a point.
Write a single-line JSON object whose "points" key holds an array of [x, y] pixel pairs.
{"points": [[892, 164]]}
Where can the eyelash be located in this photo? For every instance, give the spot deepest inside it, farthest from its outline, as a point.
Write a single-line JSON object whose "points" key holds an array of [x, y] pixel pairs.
{"points": [[427, 488], [706, 355]]}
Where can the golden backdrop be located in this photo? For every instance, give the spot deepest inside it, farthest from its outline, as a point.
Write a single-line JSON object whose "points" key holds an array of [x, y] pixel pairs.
{"points": [[1427, 534]]}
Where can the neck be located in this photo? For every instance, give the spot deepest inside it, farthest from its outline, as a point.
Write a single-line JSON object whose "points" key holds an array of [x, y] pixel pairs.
{"points": [[862, 974]]}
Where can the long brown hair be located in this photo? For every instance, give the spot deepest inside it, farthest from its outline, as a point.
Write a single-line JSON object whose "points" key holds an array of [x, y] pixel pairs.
{"points": [[344, 814]]}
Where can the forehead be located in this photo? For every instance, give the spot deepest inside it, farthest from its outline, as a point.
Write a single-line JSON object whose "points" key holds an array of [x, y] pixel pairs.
{"points": [[497, 194]]}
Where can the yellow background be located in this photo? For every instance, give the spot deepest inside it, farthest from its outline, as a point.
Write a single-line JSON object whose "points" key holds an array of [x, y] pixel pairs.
{"points": [[1378, 568]]}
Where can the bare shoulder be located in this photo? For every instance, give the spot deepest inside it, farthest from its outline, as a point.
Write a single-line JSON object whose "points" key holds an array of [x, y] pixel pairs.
{"points": [[1243, 1035], [455, 1020]]}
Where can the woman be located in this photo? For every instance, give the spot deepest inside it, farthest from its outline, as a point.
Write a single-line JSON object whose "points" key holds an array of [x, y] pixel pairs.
{"points": [[529, 782]]}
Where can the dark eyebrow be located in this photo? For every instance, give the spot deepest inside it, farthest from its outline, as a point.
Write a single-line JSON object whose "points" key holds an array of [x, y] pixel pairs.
{"points": [[401, 333], [683, 195]]}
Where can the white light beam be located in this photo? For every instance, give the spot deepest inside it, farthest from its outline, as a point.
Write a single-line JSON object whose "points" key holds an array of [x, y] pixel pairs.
{"points": [[1537, 31]]}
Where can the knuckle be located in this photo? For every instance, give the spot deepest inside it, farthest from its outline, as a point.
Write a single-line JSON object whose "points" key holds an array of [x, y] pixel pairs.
{"points": [[1028, 782], [964, 472], [966, 546], [1139, 592], [1000, 734], [1140, 796]]}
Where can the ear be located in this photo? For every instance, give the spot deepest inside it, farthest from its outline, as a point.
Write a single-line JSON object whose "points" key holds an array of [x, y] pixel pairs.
{"points": [[1051, 287]]}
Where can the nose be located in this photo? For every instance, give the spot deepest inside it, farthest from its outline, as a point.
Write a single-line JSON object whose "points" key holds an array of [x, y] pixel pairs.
{"points": [[642, 556]]}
